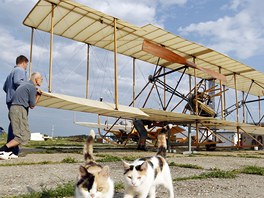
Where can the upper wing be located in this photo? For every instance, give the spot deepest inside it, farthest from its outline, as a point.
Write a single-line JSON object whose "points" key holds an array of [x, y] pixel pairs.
{"points": [[81, 23]]}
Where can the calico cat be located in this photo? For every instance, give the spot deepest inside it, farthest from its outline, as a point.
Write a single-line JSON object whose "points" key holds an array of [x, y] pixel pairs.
{"points": [[93, 180], [143, 175]]}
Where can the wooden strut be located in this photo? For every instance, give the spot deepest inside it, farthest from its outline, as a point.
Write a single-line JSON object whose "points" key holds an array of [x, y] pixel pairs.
{"points": [[259, 111], [87, 70], [115, 64], [190, 89], [51, 48], [189, 126], [134, 81], [243, 107], [224, 101], [237, 115], [196, 107], [31, 51], [221, 97]]}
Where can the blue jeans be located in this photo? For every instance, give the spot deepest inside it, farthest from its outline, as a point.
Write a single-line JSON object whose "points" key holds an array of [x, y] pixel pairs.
{"points": [[11, 136]]}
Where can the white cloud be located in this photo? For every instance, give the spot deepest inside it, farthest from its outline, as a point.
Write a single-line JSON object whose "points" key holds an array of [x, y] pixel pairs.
{"points": [[235, 4], [242, 34], [172, 2], [12, 47], [137, 12]]}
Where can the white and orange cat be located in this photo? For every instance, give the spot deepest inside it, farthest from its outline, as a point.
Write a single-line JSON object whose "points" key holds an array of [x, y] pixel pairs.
{"points": [[143, 175], [93, 180]]}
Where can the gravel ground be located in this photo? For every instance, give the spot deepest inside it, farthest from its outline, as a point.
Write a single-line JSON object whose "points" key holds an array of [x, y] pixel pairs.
{"points": [[22, 179]]}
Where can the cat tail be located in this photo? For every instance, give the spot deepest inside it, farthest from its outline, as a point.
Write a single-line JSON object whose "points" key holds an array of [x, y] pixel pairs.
{"points": [[88, 147], [162, 142]]}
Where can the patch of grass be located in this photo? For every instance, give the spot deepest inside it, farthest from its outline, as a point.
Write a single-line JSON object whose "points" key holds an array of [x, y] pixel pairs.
{"points": [[211, 155], [212, 174], [112, 158], [109, 158], [69, 160], [63, 190], [30, 163], [101, 155], [219, 174], [119, 186], [255, 170], [130, 158], [56, 141], [65, 160], [248, 156], [186, 165]]}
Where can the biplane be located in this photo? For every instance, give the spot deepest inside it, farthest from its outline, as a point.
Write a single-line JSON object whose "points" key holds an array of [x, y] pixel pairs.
{"points": [[210, 73]]}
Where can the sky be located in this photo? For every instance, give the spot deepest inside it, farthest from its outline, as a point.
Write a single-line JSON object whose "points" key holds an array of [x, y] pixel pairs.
{"points": [[232, 27]]}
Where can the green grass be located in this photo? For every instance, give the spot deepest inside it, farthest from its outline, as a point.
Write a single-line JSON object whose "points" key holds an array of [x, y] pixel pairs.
{"points": [[130, 158], [119, 186], [112, 158], [255, 170], [52, 142], [108, 158], [212, 174], [63, 190], [186, 165], [217, 173], [69, 160], [30, 163], [65, 160], [210, 155], [248, 156]]}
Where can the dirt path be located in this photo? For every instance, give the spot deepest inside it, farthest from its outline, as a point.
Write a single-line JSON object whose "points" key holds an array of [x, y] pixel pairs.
{"points": [[22, 179]]}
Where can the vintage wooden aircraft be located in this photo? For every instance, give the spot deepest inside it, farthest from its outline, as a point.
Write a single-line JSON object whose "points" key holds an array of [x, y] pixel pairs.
{"points": [[170, 54]]}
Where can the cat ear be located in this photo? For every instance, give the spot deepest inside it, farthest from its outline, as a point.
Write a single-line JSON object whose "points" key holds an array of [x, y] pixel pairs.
{"points": [[105, 171], [126, 165], [144, 166], [83, 172]]}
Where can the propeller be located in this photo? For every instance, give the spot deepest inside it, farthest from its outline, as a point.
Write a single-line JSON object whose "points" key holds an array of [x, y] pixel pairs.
{"points": [[170, 56]]}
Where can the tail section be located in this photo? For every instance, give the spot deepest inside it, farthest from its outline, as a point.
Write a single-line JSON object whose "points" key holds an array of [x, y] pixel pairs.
{"points": [[162, 142], [88, 147]]}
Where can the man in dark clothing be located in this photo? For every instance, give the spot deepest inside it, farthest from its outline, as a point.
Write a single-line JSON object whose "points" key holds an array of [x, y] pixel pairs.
{"points": [[25, 97], [13, 80]]}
